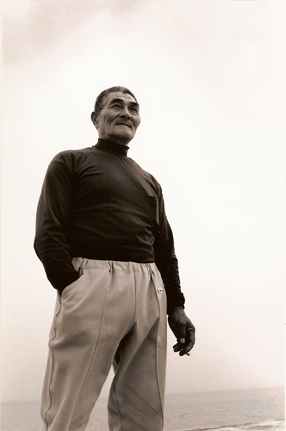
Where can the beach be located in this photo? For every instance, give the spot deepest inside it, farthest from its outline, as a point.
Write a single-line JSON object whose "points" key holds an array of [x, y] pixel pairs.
{"points": [[251, 410]]}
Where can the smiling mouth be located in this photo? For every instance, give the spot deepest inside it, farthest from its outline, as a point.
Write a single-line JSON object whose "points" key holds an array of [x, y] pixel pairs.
{"points": [[123, 124]]}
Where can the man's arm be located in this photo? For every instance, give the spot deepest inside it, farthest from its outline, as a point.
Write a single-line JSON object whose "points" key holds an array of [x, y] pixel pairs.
{"points": [[51, 243], [167, 263]]}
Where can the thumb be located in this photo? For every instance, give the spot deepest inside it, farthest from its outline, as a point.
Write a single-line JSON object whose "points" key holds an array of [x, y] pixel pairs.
{"points": [[181, 337]]}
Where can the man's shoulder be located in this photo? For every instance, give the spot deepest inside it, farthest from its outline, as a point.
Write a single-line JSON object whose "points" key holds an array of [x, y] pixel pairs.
{"points": [[71, 157], [69, 160], [68, 154]]}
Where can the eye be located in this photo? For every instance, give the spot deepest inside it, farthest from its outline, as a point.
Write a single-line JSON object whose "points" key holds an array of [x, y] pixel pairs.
{"points": [[134, 110], [116, 106]]}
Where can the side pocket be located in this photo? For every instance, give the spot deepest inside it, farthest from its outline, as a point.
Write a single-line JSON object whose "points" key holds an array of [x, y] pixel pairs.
{"points": [[74, 283]]}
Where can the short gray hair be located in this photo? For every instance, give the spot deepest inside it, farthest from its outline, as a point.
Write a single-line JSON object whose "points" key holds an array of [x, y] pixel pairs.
{"points": [[100, 100]]}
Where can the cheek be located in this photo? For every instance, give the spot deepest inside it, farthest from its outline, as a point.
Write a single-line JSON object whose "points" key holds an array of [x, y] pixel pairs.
{"points": [[106, 123]]}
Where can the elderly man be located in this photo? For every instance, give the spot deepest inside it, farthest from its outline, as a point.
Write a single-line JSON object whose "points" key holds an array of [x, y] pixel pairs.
{"points": [[106, 246]]}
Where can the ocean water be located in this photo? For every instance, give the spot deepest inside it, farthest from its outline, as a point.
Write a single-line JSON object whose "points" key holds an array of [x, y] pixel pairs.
{"points": [[251, 410]]}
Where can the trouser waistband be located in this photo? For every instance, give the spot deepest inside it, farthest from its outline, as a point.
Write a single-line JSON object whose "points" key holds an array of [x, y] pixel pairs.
{"points": [[83, 263]]}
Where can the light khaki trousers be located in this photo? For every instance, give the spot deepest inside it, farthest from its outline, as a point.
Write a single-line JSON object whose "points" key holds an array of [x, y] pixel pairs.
{"points": [[115, 313]]}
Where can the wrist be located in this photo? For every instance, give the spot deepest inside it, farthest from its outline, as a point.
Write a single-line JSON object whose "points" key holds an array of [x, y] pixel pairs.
{"points": [[176, 309]]}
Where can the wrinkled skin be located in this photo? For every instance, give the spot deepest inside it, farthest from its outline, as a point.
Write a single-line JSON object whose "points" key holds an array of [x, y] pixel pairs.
{"points": [[118, 119]]}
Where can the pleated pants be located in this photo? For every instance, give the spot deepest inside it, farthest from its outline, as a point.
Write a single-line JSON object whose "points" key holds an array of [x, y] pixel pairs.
{"points": [[114, 314]]}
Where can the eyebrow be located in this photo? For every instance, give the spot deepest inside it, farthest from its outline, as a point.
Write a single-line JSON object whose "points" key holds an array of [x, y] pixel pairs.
{"points": [[121, 100]]}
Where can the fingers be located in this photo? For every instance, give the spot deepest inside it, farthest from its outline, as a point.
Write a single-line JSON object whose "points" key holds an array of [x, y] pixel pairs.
{"points": [[190, 332], [188, 347], [183, 330], [182, 349], [190, 338], [185, 345]]}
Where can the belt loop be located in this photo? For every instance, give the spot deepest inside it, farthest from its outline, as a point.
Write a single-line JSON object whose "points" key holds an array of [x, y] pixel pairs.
{"points": [[111, 266]]}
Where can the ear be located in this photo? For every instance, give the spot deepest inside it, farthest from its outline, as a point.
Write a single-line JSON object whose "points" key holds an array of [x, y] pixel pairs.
{"points": [[93, 118]]}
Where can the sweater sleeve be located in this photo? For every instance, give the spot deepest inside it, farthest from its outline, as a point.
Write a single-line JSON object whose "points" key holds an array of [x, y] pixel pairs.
{"points": [[166, 261], [51, 244]]}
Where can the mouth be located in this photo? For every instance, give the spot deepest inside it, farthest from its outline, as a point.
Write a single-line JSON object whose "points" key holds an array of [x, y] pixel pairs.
{"points": [[124, 124]]}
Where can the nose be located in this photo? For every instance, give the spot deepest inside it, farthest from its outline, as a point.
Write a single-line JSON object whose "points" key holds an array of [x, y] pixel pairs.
{"points": [[125, 113]]}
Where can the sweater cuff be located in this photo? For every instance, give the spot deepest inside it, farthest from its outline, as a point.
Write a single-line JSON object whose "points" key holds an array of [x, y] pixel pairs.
{"points": [[175, 301]]}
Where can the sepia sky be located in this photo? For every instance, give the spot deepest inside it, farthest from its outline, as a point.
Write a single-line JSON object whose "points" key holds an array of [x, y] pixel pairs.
{"points": [[209, 77]]}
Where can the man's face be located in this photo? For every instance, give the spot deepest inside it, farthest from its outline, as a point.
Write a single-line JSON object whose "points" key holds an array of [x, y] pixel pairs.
{"points": [[119, 118]]}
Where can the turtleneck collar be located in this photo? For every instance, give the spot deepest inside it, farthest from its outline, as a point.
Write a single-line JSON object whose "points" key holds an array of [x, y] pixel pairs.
{"points": [[112, 147]]}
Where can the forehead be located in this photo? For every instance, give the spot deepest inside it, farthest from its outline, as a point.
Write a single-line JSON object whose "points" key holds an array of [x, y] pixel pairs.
{"points": [[125, 97]]}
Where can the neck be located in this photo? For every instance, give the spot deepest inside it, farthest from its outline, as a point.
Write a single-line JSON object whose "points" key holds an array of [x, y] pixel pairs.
{"points": [[116, 139], [112, 147]]}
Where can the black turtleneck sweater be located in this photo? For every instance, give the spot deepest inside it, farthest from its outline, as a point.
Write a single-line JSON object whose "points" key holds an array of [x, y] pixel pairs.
{"points": [[98, 203]]}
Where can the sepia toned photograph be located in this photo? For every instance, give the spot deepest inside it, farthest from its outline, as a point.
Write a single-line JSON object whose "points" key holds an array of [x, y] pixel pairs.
{"points": [[143, 215]]}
